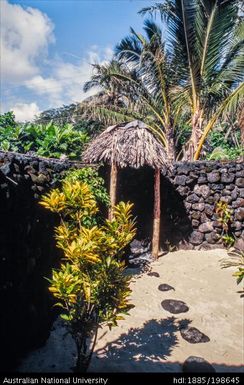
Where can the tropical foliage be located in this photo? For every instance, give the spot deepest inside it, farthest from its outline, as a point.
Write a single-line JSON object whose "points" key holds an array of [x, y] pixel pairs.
{"points": [[140, 82], [225, 219], [222, 146], [207, 37], [91, 177], [90, 286], [48, 140], [194, 74], [69, 115], [183, 77], [236, 259]]}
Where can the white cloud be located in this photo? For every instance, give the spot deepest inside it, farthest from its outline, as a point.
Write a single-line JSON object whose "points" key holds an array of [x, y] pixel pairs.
{"points": [[25, 112], [43, 85], [48, 87], [73, 77], [67, 80], [25, 35]]}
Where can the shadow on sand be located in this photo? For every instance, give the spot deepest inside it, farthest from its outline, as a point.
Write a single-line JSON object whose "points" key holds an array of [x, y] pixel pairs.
{"points": [[141, 349], [147, 349]]}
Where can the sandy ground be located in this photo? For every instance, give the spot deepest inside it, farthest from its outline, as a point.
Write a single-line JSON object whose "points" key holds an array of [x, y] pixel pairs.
{"points": [[149, 339]]}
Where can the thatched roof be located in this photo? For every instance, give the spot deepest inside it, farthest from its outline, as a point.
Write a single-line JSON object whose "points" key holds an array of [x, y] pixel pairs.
{"points": [[127, 144]]}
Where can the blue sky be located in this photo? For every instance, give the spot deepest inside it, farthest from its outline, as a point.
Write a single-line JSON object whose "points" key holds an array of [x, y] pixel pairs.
{"points": [[47, 47]]}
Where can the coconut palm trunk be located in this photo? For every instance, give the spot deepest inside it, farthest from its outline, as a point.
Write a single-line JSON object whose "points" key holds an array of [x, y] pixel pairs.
{"points": [[156, 215], [113, 188], [241, 123], [196, 135], [170, 144]]}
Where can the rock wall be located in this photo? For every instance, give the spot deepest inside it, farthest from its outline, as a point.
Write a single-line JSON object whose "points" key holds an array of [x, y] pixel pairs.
{"points": [[200, 186], [189, 194], [27, 253]]}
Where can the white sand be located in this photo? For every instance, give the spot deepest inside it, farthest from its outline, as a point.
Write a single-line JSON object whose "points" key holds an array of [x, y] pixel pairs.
{"points": [[149, 339]]}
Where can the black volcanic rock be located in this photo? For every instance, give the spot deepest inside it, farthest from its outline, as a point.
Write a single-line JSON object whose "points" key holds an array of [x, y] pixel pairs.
{"points": [[153, 274], [174, 306], [213, 177], [194, 336], [165, 287], [195, 364]]}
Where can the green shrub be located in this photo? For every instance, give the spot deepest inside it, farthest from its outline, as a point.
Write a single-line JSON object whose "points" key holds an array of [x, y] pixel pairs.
{"points": [[95, 183], [11, 134], [222, 148], [91, 177], [225, 218], [7, 120]]}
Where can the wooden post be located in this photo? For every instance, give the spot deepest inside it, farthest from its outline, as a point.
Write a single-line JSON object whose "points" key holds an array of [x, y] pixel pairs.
{"points": [[156, 215], [113, 188]]}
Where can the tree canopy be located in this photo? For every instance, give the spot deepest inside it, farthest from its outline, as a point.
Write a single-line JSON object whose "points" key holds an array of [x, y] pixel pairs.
{"points": [[190, 76]]}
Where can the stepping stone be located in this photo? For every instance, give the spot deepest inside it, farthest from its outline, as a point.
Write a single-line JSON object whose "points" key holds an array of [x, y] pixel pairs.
{"points": [[165, 287], [195, 364], [174, 306], [194, 336], [154, 274]]}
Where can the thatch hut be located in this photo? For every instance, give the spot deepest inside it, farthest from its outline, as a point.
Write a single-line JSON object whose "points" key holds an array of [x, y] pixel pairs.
{"points": [[130, 145]]}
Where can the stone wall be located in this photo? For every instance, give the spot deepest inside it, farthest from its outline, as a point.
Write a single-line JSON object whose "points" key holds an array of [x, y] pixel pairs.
{"points": [[189, 194], [200, 186], [27, 253], [27, 249]]}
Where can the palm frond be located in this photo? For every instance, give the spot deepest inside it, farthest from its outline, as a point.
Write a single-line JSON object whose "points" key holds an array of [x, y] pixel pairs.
{"points": [[165, 9], [114, 116], [152, 30], [129, 49], [111, 116], [228, 106], [181, 36], [218, 36]]}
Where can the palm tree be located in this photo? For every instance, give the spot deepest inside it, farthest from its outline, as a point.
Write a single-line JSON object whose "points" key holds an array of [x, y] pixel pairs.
{"points": [[143, 75], [206, 39]]}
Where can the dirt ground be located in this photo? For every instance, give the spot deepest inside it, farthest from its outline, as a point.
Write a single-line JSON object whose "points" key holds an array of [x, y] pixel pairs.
{"points": [[149, 339]]}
